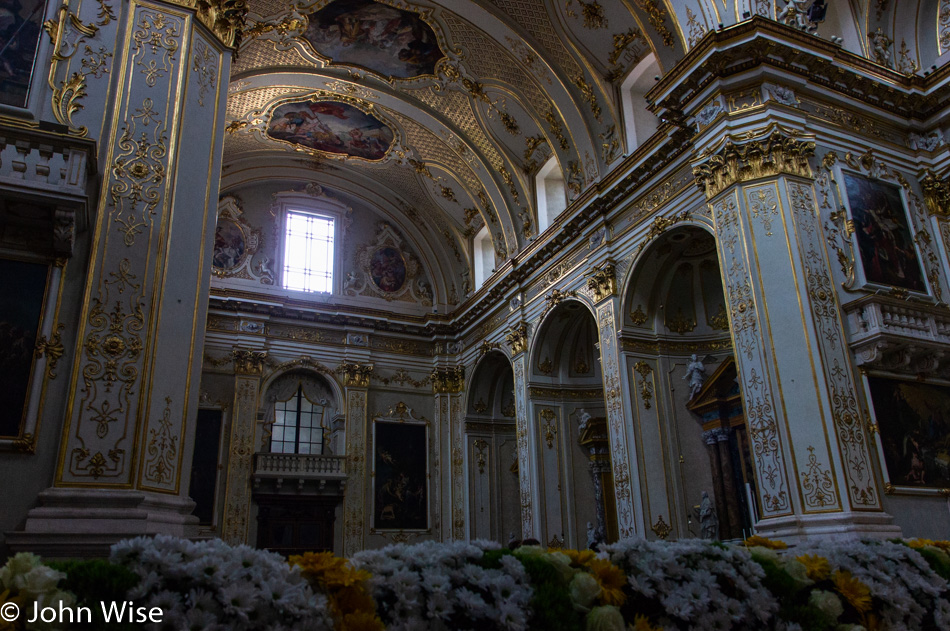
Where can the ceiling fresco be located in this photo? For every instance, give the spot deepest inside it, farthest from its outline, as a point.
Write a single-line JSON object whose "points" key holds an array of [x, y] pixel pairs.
{"points": [[331, 127], [383, 39], [453, 108]]}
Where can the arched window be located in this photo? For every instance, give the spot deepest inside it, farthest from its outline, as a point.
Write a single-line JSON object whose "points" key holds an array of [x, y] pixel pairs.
{"points": [[484, 256], [300, 425], [552, 193], [640, 123]]}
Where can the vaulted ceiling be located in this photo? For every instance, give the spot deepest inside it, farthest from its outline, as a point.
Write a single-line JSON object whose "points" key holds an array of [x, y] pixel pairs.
{"points": [[443, 113]]}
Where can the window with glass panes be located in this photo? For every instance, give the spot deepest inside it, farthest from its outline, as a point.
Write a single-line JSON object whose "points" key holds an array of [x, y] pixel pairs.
{"points": [[298, 426], [308, 252]]}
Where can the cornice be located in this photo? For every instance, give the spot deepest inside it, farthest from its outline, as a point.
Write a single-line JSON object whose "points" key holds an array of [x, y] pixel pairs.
{"points": [[761, 42]]}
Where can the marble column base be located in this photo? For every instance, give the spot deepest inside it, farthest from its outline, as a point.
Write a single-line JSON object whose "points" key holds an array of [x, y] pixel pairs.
{"points": [[829, 526], [70, 523]]}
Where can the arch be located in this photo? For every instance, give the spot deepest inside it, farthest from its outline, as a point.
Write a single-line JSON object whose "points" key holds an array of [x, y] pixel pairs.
{"points": [[483, 253], [315, 384]]}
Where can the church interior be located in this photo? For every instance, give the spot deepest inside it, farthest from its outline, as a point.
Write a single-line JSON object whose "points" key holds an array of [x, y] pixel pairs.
{"points": [[335, 274]]}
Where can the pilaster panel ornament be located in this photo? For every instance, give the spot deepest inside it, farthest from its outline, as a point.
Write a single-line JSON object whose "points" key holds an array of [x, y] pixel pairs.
{"points": [[448, 380], [458, 471], [52, 348], [835, 357], [248, 362], [646, 386], [548, 426], [744, 158], [616, 423], [237, 502], [602, 281], [355, 375], [354, 511], [517, 339], [524, 453], [758, 398]]}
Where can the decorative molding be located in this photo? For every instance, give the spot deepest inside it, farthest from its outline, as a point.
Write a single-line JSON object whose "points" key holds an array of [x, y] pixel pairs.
{"points": [[548, 427], [661, 529], [646, 387], [53, 349], [936, 193], [602, 281], [248, 362]]}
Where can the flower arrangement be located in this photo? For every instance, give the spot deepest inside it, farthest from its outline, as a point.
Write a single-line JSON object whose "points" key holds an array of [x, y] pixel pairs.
{"points": [[634, 584], [448, 586], [25, 580], [211, 585]]}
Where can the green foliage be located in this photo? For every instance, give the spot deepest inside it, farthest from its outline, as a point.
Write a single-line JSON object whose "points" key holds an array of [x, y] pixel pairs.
{"points": [[937, 562], [97, 581], [792, 597], [551, 604]]}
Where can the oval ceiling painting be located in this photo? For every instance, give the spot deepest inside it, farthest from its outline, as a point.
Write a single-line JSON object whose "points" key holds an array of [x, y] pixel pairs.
{"points": [[331, 127], [376, 36]]}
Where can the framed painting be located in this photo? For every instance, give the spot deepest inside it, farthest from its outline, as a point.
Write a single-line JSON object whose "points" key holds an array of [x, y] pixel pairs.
{"points": [[230, 245], [20, 26], [20, 327], [388, 269], [400, 475], [388, 41], [913, 421], [331, 127], [884, 237]]}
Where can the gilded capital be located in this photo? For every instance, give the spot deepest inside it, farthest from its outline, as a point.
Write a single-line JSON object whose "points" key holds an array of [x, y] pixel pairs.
{"points": [[602, 281], [936, 193], [226, 19], [355, 375], [743, 158], [448, 380], [517, 339], [248, 362]]}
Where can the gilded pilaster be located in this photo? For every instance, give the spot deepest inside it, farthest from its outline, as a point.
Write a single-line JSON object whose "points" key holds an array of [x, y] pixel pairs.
{"points": [[625, 476], [248, 368], [791, 352], [529, 487], [355, 504], [447, 386]]}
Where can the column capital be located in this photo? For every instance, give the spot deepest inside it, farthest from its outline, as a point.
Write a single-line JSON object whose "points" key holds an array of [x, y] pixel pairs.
{"points": [[936, 193], [602, 281], [226, 19], [248, 362], [517, 338], [752, 155], [355, 375], [448, 380]]}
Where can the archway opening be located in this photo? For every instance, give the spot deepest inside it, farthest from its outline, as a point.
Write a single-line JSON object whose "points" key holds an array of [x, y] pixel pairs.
{"points": [[493, 486], [568, 415]]}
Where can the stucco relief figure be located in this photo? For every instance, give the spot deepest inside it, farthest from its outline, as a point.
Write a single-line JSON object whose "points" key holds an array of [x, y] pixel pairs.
{"points": [[795, 13], [708, 519], [696, 375]]}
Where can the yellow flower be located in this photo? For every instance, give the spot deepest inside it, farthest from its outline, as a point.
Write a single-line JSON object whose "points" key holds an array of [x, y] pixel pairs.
{"points": [[328, 570], [761, 542], [818, 567], [580, 558], [362, 621], [642, 623], [917, 544], [611, 580], [853, 590], [943, 545]]}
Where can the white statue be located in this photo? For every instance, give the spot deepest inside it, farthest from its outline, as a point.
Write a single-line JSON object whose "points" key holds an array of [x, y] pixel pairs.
{"points": [[708, 519], [795, 14], [350, 282], [696, 375], [592, 538], [881, 47], [583, 418]]}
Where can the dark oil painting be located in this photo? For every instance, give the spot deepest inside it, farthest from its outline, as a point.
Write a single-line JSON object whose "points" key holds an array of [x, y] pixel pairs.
{"points": [[19, 324], [884, 238], [914, 423], [376, 36], [229, 245], [388, 269], [400, 480], [331, 127], [20, 22]]}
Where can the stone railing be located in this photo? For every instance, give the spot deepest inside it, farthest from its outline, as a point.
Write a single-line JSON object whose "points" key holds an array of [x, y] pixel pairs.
{"points": [[299, 466], [895, 335]]}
